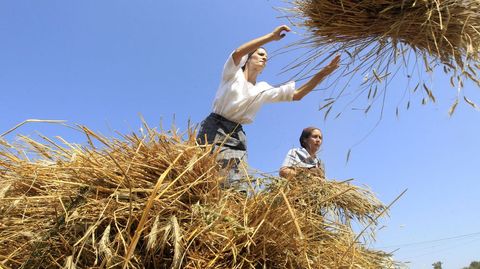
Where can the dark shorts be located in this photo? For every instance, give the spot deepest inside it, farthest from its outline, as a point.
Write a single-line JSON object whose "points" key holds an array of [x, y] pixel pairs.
{"points": [[230, 140]]}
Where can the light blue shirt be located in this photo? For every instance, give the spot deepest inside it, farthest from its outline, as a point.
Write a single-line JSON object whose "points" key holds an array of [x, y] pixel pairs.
{"points": [[299, 157]]}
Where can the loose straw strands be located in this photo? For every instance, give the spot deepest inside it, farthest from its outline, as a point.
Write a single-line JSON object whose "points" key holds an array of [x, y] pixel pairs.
{"points": [[155, 201], [30, 121], [382, 36]]}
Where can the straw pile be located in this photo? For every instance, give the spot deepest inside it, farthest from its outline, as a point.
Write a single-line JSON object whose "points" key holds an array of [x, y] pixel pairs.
{"points": [[380, 36], [154, 201]]}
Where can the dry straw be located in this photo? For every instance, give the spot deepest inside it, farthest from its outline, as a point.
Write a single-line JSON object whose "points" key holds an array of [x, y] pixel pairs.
{"points": [[383, 36], [154, 201]]}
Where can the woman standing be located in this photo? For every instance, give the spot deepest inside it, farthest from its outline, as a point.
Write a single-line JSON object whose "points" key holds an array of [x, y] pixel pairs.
{"points": [[240, 96], [305, 157]]}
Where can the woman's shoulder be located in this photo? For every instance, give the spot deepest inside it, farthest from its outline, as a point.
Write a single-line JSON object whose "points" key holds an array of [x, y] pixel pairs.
{"points": [[230, 63], [296, 151]]}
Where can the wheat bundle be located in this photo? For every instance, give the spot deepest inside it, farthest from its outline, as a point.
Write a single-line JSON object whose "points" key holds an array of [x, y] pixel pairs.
{"points": [[154, 201], [380, 36]]}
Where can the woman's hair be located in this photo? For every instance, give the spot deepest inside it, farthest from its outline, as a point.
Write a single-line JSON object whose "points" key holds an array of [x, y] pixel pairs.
{"points": [[250, 55], [306, 133]]}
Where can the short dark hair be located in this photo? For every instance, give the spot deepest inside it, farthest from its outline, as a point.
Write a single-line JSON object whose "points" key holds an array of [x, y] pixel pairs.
{"points": [[250, 55], [306, 133]]}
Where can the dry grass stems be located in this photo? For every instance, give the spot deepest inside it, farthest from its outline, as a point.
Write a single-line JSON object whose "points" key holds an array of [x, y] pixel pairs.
{"points": [[154, 201], [381, 37]]}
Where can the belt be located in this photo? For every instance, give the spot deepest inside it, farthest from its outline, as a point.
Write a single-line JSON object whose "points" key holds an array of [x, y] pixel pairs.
{"points": [[222, 118]]}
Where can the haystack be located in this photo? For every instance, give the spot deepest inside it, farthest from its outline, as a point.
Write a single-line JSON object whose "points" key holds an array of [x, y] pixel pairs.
{"points": [[154, 201], [382, 36]]}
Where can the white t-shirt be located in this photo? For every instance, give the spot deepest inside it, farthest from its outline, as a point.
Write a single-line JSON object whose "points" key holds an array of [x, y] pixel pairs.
{"points": [[239, 100]]}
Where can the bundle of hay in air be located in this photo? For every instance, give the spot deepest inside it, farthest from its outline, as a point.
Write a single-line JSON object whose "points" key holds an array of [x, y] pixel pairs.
{"points": [[154, 201], [383, 36]]}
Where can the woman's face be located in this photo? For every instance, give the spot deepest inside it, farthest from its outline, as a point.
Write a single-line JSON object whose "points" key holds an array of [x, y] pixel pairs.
{"points": [[258, 60], [314, 141]]}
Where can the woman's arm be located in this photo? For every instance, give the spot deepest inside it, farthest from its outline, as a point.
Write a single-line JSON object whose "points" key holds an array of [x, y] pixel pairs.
{"points": [[287, 172], [290, 172], [316, 79], [254, 44]]}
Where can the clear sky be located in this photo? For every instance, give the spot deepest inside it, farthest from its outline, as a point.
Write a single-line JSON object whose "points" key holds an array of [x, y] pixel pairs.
{"points": [[102, 63]]}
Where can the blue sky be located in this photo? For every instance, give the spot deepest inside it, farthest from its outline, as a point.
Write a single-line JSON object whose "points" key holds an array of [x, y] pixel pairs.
{"points": [[102, 63]]}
